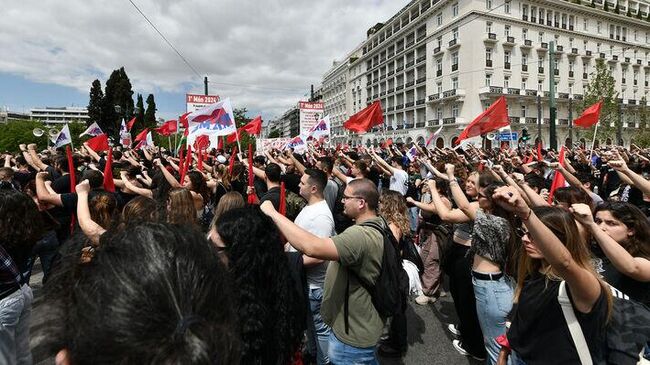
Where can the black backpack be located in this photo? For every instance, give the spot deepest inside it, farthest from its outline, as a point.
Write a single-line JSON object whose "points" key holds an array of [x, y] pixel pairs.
{"points": [[390, 289], [341, 221]]}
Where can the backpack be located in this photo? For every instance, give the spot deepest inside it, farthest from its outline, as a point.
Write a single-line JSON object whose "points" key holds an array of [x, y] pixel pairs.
{"points": [[294, 204], [390, 289], [409, 252], [341, 221]]}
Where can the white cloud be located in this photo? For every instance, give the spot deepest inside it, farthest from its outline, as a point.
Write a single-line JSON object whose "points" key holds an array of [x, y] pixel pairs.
{"points": [[262, 54]]}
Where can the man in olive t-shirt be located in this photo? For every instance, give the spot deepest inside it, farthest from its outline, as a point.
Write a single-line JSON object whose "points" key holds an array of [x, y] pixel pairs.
{"points": [[358, 249]]}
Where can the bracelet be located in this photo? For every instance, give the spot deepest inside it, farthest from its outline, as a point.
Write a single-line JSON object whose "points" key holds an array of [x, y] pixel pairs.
{"points": [[530, 211], [454, 181]]}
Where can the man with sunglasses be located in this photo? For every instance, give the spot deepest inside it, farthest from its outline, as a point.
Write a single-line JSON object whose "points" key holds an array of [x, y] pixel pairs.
{"points": [[355, 254]]}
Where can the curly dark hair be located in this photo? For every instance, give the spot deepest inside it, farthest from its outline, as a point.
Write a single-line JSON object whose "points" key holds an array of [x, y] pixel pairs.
{"points": [[160, 293], [21, 224], [271, 311], [199, 185]]}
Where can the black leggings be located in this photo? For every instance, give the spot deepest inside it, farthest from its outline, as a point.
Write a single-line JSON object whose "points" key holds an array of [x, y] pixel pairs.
{"points": [[458, 265]]}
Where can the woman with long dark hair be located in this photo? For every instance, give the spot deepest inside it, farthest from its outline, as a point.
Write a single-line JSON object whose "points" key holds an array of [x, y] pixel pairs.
{"points": [[20, 228], [270, 311]]}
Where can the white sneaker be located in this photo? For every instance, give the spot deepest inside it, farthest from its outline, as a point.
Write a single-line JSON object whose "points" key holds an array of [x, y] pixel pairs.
{"points": [[459, 347], [424, 300], [453, 329]]}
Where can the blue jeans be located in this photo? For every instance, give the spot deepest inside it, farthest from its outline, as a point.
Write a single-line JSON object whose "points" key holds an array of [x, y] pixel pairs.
{"points": [[15, 314], [344, 354], [322, 330], [493, 303]]}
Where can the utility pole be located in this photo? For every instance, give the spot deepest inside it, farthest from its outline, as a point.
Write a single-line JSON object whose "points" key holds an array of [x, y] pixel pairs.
{"points": [[539, 116], [551, 98], [205, 85]]}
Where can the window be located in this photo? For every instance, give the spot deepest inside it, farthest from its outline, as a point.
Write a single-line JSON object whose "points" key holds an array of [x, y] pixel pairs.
{"points": [[585, 24], [523, 84], [439, 64], [540, 62], [540, 85], [439, 87], [533, 13], [506, 7], [440, 42], [454, 83], [488, 27], [570, 42], [488, 80], [635, 36], [454, 9], [540, 37], [506, 31], [524, 59], [439, 113], [571, 88], [454, 61], [523, 111], [524, 11], [571, 64], [488, 4], [599, 25], [454, 33], [488, 54], [454, 110], [524, 34], [506, 82], [439, 19], [506, 58], [541, 16]]}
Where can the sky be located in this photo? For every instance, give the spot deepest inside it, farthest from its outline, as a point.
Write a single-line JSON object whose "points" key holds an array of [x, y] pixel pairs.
{"points": [[264, 55]]}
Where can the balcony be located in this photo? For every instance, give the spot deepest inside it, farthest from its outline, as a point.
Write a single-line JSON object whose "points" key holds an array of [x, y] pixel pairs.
{"points": [[524, 17], [399, 106], [614, 59], [454, 67], [543, 47], [369, 83], [559, 49], [375, 96], [584, 75], [527, 44], [399, 49], [453, 43], [531, 92], [531, 120], [524, 68], [540, 70], [381, 77], [587, 54], [399, 87], [420, 102], [399, 68], [391, 73], [506, 65], [602, 55], [577, 97], [383, 93], [436, 51], [410, 83], [563, 95], [410, 63], [390, 108], [434, 97], [409, 43], [409, 104], [448, 121], [510, 41], [574, 51], [533, 19], [513, 120], [490, 38], [420, 80], [563, 122], [631, 102], [438, 73], [420, 124], [449, 93], [490, 90], [434, 122], [639, 62], [513, 91], [626, 61], [570, 74], [556, 72], [421, 58], [390, 90]]}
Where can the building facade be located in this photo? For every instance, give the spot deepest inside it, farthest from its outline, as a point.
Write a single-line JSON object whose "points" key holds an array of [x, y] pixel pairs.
{"points": [[288, 125], [51, 115], [7, 116], [442, 62]]}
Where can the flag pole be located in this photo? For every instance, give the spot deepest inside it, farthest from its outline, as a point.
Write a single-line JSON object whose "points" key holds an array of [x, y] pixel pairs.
{"points": [[237, 134], [593, 143]]}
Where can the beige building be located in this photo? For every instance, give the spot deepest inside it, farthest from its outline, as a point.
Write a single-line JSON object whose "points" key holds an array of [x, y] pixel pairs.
{"points": [[441, 63]]}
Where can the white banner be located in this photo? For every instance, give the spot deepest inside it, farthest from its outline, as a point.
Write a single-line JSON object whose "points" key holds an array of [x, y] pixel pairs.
{"points": [[267, 144], [310, 114], [194, 102], [214, 120]]}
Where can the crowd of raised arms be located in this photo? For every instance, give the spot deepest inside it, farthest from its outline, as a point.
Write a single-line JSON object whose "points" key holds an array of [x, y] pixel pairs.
{"points": [[314, 258]]}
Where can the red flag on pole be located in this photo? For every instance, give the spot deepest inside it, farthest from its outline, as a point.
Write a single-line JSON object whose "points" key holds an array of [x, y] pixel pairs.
{"points": [[220, 144], [169, 127], [142, 135], [98, 143], [558, 179], [590, 116], [251, 197], [188, 163], [283, 200], [130, 124], [109, 185], [181, 161], [493, 118], [366, 118], [71, 169], [200, 160], [539, 151], [254, 127], [231, 164]]}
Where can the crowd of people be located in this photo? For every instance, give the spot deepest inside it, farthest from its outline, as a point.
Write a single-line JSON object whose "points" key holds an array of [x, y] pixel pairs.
{"points": [[286, 258]]}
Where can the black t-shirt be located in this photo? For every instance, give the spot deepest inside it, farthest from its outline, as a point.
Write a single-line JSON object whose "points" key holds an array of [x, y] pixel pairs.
{"points": [[539, 332], [273, 195], [24, 177], [61, 185], [636, 290], [69, 200]]}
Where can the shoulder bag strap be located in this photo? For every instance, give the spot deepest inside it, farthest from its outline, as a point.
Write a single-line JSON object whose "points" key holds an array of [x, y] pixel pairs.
{"points": [[574, 327]]}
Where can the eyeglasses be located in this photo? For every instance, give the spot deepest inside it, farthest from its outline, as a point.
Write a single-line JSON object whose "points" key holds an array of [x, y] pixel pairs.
{"points": [[521, 232], [344, 198]]}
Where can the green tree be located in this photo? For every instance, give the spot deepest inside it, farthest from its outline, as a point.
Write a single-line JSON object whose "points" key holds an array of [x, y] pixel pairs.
{"points": [[601, 86], [117, 94], [14, 133], [150, 113], [642, 137], [274, 134], [240, 120], [139, 116], [96, 98]]}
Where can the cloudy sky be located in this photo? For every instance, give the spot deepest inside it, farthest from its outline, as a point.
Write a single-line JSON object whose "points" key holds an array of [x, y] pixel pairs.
{"points": [[264, 55]]}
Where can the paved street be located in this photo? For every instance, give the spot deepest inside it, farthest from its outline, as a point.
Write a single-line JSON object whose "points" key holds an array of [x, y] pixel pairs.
{"points": [[429, 341]]}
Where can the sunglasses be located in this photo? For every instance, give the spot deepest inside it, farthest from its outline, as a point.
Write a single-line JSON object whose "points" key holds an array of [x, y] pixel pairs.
{"points": [[521, 232]]}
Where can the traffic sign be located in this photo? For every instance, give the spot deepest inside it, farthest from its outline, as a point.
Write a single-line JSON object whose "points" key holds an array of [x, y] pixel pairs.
{"points": [[508, 136]]}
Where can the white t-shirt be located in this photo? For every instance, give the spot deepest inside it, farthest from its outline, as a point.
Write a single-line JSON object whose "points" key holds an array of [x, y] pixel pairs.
{"points": [[316, 219], [399, 181]]}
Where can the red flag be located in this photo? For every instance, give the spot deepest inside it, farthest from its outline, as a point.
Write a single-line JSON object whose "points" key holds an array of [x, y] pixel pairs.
{"points": [[130, 124], [181, 161], [183, 120], [254, 126], [200, 160], [251, 197], [220, 144], [169, 127], [232, 138], [493, 118], [231, 164], [558, 179], [98, 143], [366, 118], [529, 159], [186, 164], [283, 200], [201, 142], [142, 135], [539, 151], [109, 185], [72, 171], [590, 116]]}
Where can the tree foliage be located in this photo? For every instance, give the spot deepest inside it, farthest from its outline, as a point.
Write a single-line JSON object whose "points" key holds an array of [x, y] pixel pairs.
{"points": [[139, 116], [602, 86], [14, 133], [95, 100], [118, 94], [642, 138], [150, 113]]}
